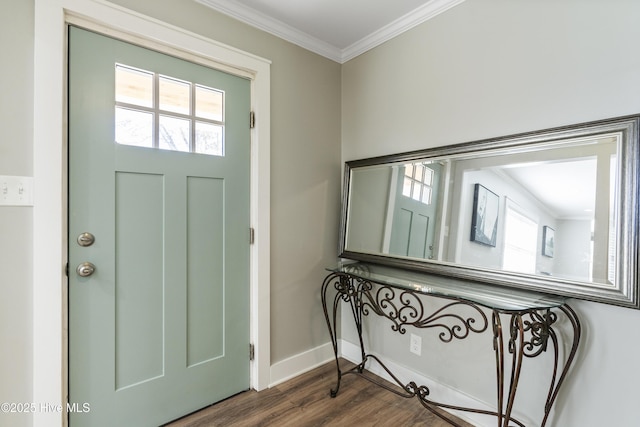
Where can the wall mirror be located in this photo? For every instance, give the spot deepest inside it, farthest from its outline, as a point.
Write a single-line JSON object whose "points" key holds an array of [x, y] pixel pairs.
{"points": [[554, 211]]}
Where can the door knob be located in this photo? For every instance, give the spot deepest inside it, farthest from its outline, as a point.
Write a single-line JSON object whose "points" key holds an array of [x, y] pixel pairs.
{"points": [[85, 269], [86, 239]]}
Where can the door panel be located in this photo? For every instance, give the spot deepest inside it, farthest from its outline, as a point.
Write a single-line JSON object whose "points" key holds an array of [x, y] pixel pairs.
{"points": [[205, 253], [139, 308], [418, 245], [161, 328], [401, 232]]}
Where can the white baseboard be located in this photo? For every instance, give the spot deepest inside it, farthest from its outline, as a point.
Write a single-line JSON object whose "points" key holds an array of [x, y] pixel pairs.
{"points": [[445, 393], [300, 363]]}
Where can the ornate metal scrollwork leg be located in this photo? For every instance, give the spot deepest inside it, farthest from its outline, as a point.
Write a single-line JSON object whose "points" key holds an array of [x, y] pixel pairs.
{"points": [[498, 347], [344, 287], [349, 290], [516, 349], [554, 388], [530, 334]]}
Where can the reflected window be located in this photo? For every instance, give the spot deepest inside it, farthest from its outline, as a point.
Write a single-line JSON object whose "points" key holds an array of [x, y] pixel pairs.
{"points": [[520, 241], [157, 111], [611, 253], [418, 182]]}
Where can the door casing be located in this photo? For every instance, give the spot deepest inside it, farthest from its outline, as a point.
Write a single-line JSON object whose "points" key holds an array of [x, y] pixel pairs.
{"points": [[49, 212]]}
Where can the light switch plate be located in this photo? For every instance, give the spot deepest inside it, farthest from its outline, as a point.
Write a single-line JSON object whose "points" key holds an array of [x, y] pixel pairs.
{"points": [[16, 190]]}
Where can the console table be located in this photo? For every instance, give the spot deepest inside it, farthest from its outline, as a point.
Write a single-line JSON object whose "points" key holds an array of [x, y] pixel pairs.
{"points": [[403, 298]]}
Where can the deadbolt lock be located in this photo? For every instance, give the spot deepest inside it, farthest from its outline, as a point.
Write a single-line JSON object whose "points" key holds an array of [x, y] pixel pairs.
{"points": [[85, 269], [86, 239]]}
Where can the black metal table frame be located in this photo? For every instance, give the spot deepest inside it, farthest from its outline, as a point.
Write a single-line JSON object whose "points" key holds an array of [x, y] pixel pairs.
{"points": [[529, 332]]}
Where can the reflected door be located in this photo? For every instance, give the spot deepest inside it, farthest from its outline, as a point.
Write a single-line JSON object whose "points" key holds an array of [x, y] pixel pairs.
{"points": [[414, 213], [159, 152]]}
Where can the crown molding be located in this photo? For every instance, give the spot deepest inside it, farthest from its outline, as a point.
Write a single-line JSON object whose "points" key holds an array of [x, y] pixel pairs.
{"points": [[274, 26], [404, 23], [285, 31]]}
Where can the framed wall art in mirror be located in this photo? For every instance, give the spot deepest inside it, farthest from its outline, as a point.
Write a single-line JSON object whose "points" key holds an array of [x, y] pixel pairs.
{"points": [[554, 210], [548, 241], [484, 216]]}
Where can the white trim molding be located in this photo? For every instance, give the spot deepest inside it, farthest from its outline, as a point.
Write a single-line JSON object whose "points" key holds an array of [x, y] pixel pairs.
{"points": [[300, 363], [50, 175], [296, 36]]}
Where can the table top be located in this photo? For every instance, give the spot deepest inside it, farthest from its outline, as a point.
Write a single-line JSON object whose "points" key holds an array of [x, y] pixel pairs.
{"points": [[490, 296]]}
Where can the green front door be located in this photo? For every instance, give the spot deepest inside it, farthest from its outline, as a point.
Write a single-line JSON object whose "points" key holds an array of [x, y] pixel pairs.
{"points": [[159, 154], [416, 200]]}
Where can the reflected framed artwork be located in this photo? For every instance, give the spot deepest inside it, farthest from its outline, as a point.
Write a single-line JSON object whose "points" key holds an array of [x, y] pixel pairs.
{"points": [[484, 219], [548, 240]]}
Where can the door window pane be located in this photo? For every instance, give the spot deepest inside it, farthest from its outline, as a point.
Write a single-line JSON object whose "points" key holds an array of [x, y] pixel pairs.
{"points": [[174, 95], [174, 134], [209, 103], [134, 86], [165, 112], [209, 139], [418, 181], [415, 193], [426, 195], [406, 187], [428, 176], [134, 127], [408, 170], [419, 172]]}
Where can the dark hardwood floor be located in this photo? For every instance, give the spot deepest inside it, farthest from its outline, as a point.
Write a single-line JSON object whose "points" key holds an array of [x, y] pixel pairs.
{"points": [[305, 401]]}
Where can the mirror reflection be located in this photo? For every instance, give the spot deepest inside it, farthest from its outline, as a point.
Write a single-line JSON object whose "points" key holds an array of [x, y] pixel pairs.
{"points": [[554, 210], [546, 209]]}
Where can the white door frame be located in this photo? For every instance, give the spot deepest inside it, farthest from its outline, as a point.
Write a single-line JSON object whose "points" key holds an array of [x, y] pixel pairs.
{"points": [[50, 178]]}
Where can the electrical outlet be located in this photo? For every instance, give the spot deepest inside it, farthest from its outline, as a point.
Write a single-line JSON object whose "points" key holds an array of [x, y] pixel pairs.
{"points": [[415, 345]]}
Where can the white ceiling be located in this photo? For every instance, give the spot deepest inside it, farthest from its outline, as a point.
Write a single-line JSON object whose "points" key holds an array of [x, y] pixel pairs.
{"points": [[337, 29], [566, 188]]}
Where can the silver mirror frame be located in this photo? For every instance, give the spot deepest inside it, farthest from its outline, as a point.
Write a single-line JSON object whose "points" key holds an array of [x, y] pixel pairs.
{"points": [[624, 293]]}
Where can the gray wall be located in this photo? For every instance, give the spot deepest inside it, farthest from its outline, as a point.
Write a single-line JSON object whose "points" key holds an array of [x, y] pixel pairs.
{"points": [[369, 202], [487, 68], [16, 152], [573, 241]]}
